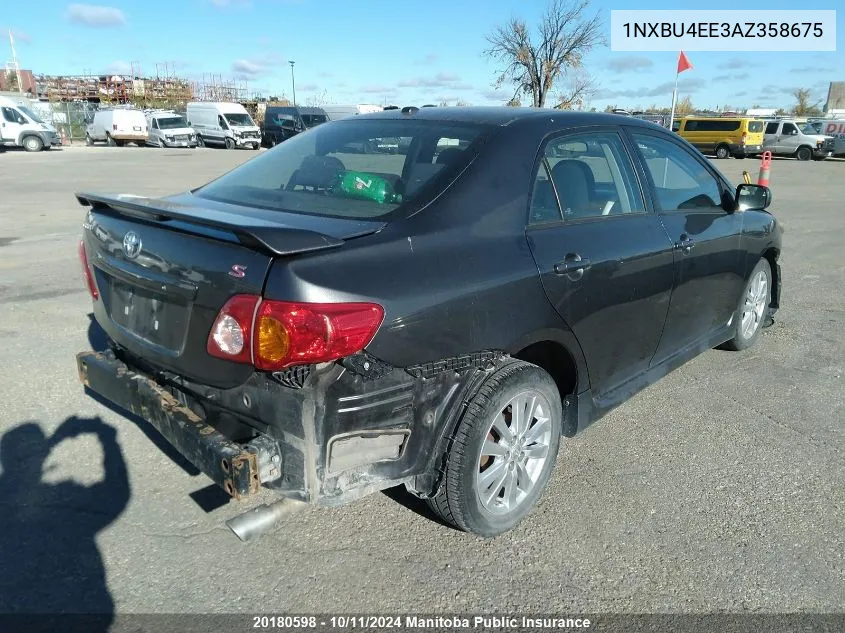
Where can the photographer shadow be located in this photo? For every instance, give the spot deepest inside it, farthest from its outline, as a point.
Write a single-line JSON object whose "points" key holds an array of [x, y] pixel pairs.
{"points": [[50, 560]]}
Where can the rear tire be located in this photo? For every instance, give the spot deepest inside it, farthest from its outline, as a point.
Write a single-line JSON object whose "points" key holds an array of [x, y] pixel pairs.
{"points": [[804, 153], [723, 151], [498, 464], [89, 141], [110, 141], [752, 313], [200, 142], [33, 144]]}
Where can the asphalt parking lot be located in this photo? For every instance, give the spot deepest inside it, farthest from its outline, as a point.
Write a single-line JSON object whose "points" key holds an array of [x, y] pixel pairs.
{"points": [[721, 488]]}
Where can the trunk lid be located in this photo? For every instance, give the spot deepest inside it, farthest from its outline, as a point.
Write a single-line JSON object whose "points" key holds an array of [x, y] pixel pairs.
{"points": [[164, 267]]}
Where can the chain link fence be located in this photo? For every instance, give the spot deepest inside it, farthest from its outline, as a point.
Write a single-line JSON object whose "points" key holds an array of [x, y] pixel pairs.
{"points": [[69, 118]]}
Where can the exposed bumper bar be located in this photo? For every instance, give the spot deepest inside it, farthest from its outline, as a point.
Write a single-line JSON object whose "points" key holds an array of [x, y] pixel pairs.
{"points": [[239, 469]]}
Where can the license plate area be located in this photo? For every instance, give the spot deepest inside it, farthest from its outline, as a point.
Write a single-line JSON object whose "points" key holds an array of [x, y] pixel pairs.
{"points": [[158, 319]]}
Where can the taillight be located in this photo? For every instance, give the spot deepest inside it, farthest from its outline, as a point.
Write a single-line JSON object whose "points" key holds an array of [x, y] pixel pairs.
{"points": [[89, 275], [114, 126], [230, 335], [279, 334], [744, 138]]}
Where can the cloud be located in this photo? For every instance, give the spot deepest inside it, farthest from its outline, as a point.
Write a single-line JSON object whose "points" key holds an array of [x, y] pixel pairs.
{"points": [[119, 67], [325, 75], [685, 86], [20, 36], [258, 66], [95, 15], [225, 4], [440, 80], [740, 94], [309, 87], [735, 63], [812, 69], [495, 95], [428, 60], [376, 89], [738, 77], [629, 63]]}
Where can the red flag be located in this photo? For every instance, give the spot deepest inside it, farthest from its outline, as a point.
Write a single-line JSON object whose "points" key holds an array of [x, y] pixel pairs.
{"points": [[683, 63]]}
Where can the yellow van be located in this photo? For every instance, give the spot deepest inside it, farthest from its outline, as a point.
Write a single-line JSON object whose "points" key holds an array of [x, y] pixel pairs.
{"points": [[723, 136]]}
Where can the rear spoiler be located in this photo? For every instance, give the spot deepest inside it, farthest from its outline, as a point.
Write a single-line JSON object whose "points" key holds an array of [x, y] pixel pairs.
{"points": [[275, 239]]}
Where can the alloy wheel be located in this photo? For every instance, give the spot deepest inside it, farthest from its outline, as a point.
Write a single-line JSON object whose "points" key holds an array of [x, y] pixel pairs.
{"points": [[755, 304], [514, 453]]}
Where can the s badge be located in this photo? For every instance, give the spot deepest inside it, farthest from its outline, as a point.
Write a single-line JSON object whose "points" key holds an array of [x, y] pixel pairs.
{"points": [[238, 271]]}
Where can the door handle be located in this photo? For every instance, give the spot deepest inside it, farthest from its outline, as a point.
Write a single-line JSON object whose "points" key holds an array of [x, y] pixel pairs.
{"points": [[685, 244], [572, 264]]}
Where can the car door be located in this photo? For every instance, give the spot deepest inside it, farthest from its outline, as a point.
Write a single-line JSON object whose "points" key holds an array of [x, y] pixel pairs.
{"points": [[788, 139], [12, 124], [604, 259], [691, 201], [770, 137], [155, 133], [220, 131]]}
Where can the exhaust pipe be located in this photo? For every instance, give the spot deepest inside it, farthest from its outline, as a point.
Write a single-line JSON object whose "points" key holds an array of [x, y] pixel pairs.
{"points": [[257, 521]]}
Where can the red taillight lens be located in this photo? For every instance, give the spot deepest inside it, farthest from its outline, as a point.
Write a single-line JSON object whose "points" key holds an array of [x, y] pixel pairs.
{"points": [[89, 275], [744, 139], [114, 126], [298, 333], [230, 336], [277, 334]]}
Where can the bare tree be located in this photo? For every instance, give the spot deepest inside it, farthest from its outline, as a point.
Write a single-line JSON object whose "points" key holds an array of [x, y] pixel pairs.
{"points": [[514, 103], [581, 88], [460, 103], [565, 35], [684, 106], [803, 107], [318, 99]]}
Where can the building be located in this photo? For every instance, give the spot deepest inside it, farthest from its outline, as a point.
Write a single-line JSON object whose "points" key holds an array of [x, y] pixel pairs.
{"points": [[835, 104], [8, 80]]}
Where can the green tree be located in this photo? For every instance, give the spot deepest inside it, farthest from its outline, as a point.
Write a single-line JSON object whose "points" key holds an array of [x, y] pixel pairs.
{"points": [[803, 107]]}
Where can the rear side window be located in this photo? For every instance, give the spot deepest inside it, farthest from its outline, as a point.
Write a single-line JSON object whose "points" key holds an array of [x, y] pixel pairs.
{"points": [[755, 126], [715, 125], [590, 175], [772, 128], [358, 168]]}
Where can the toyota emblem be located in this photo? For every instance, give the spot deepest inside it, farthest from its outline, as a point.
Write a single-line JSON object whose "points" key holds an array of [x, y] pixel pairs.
{"points": [[132, 244]]}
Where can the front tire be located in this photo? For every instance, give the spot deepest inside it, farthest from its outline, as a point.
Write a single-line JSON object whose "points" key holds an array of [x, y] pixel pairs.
{"points": [[804, 153], [200, 141], [723, 151], [502, 453], [33, 144], [753, 310], [230, 143]]}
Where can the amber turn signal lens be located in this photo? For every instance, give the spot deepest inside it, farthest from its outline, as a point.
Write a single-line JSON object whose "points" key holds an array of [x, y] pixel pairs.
{"points": [[273, 340]]}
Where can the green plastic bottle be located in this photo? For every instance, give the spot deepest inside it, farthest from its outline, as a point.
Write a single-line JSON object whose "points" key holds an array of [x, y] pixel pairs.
{"points": [[366, 186]]}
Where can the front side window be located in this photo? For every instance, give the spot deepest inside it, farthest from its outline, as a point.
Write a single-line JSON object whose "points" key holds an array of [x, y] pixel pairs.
{"points": [[222, 122], [589, 175], [351, 168], [680, 180], [13, 116], [789, 129]]}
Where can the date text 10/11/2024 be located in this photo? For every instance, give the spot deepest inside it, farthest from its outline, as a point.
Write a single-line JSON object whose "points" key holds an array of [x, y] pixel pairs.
{"points": [[271, 622]]}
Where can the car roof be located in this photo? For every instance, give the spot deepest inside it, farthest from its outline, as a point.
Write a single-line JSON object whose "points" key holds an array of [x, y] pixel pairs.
{"points": [[503, 115]]}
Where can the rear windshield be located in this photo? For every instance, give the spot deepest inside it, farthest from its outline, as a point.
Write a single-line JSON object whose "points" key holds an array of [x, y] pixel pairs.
{"points": [[354, 168], [755, 126]]}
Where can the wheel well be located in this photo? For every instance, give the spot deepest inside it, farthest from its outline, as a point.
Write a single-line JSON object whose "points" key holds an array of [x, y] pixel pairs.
{"points": [[556, 360], [771, 256]]}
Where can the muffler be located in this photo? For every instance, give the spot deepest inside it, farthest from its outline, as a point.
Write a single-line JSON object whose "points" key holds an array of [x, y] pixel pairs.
{"points": [[257, 521]]}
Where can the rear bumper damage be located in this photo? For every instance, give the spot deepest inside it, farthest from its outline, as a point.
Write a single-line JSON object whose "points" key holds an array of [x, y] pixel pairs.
{"points": [[325, 435], [239, 469]]}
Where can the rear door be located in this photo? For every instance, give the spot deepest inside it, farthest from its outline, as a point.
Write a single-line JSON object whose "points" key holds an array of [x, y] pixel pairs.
{"points": [[771, 135], [707, 239], [604, 259]]}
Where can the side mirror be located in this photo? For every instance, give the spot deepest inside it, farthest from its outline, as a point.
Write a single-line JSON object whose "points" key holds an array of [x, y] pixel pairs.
{"points": [[794, 132], [752, 197]]}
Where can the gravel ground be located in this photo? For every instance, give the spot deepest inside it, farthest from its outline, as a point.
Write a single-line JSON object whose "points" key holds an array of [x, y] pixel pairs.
{"points": [[721, 488]]}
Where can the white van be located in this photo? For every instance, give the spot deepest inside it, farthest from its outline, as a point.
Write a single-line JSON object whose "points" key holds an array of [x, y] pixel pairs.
{"points": [[221, 123], [168, 129], [117, 126], [343, 111], [21, 127]]}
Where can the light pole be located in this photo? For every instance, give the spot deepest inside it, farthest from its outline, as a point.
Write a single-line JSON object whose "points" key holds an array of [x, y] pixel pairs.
{"points": [[292, 82]]}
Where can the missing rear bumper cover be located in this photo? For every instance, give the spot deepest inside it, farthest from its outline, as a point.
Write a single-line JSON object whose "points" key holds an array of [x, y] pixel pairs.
{"points": [[360, 449]]}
